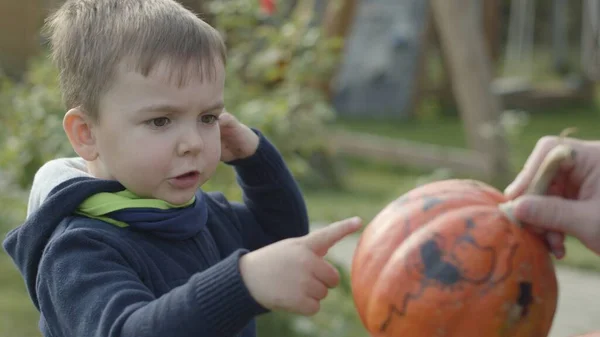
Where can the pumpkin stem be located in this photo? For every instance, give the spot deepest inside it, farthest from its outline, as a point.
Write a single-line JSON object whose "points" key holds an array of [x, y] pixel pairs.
{"points": [[561, 153]]}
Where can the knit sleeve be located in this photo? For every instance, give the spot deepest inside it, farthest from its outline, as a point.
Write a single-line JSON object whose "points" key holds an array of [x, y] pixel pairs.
{"points": [[273, 207], [86, 287]]}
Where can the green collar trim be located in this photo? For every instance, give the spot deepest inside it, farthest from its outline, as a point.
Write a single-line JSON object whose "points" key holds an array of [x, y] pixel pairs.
{"points": [[100, 204]]}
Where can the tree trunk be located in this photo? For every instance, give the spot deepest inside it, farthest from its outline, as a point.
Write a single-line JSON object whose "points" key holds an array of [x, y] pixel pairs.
{"points": [[337, 23], [339, 17], [20, 22], [471, 74]]}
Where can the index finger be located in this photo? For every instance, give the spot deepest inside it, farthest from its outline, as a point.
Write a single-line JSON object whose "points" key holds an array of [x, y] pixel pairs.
{"points": [[322, 239]]}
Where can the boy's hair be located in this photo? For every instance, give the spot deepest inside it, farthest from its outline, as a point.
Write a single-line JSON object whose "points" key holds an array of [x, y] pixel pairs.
{"points": [[90, 38]]}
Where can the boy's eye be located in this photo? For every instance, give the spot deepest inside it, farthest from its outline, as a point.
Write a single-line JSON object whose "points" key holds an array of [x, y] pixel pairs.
{"points": [[208, 119], [159, 122]]}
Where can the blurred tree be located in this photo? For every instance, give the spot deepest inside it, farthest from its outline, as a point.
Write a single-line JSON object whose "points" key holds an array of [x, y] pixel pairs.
{"points": [[20, 22], [200, 8], [276, 66], [293, 113], [337, 23]]}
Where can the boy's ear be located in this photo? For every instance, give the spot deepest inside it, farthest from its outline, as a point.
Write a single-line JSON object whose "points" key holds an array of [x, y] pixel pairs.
{"points": [[78, 128]]}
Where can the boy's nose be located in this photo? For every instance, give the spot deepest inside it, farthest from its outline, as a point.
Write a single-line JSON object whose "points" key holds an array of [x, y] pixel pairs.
{"points": [[191, 142]]}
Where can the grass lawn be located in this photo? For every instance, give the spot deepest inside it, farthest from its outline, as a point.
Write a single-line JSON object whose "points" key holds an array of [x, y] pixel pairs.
{"points": [[18, 317]]}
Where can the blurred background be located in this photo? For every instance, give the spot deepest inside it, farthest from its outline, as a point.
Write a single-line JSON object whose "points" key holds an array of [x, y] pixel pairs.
{"points": [[366, 99]]}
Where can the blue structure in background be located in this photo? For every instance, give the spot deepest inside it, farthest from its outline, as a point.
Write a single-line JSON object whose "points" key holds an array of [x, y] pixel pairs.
{"points": [[377, 77]]}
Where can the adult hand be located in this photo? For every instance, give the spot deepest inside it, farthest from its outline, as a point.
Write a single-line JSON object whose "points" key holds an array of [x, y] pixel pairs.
{"points": [[572, 203]]}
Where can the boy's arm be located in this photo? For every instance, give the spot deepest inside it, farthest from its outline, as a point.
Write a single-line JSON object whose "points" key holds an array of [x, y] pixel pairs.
{"points": [[87, 288], [273, 206]]}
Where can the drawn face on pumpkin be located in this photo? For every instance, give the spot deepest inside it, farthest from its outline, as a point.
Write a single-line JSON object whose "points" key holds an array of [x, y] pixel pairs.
{"points": [[445, 252]]}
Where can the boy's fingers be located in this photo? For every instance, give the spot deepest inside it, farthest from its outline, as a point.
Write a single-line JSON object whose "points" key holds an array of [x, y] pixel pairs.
{"points": [[308, 306], [322, 239], [326, 274], [317, 290], [226, 119]]}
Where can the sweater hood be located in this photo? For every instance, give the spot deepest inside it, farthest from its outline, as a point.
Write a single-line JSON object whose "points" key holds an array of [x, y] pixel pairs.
{"points": [[62, 188]]}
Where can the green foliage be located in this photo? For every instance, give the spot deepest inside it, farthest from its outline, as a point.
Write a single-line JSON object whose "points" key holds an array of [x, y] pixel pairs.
{"points": [[31, 112], [274, 83], [275, 75]]}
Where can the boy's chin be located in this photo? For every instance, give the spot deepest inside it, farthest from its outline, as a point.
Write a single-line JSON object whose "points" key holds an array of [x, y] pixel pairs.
{"points": [[179, 198]]}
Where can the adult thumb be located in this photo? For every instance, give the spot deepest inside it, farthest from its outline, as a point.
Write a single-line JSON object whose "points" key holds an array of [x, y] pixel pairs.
{"points": [[553, 213], [322, 239]]}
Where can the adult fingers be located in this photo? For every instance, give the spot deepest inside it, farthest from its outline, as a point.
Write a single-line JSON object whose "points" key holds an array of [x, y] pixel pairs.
{"points": [[556, 241], [532, 164], [555, 213]]}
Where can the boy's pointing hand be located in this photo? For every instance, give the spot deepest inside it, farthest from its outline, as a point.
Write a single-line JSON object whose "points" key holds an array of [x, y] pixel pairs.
{"points": [[291, 274]]}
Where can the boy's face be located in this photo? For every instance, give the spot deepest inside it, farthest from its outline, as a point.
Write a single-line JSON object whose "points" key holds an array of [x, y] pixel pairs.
{"points": [[157, 139]]}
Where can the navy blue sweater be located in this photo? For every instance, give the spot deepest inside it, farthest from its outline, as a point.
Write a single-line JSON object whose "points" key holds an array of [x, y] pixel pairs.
{"points": [[91, 278]]}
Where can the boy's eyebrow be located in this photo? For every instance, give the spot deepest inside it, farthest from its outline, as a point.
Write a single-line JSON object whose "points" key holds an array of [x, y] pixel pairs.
{"points": [[161, 107], [217, 106]]}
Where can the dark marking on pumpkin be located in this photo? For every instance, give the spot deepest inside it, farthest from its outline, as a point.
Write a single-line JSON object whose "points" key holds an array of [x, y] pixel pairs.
{"points": [[444, 270], [525, 297], [395, 311], [436, 268], [429, 202]]}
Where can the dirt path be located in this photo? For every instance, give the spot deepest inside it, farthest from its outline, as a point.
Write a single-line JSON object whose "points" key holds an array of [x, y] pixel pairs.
{"points": [[579, 298]]}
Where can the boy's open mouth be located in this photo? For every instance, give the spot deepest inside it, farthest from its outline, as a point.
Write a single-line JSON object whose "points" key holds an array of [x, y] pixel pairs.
{"points": [[188, 175], [186, 180]]}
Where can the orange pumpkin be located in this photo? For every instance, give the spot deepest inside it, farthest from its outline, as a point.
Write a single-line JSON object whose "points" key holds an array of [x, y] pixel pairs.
{"points": [[445, 260]]}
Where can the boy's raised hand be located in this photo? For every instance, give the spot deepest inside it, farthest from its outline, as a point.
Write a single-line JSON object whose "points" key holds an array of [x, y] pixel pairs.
{"points": [[238, 141], [291, 274]]}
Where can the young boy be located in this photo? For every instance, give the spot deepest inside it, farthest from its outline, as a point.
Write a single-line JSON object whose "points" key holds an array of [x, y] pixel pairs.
{"points": [[121, 241]]}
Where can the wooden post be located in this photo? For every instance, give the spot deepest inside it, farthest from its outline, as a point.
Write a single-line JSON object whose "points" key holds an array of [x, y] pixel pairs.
{"points": [[560, 36], [471, 75], [422, 65], [445, 90], [491, 24]]}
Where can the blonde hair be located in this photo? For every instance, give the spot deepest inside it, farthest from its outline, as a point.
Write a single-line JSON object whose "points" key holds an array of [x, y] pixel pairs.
{"points": [[90, 38]]}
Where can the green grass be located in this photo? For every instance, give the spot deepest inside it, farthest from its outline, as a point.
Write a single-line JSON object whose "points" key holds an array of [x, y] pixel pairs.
{"points": [[577, 255], [449, 131], [368, 188], [18, 317]]}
